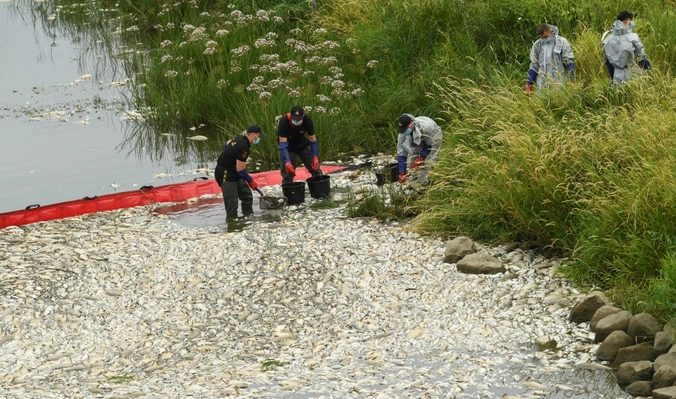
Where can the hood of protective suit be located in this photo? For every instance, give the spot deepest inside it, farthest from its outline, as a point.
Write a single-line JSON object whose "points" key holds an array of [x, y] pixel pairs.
{"points": [[619, 28], [555, 30], [416, 134]]}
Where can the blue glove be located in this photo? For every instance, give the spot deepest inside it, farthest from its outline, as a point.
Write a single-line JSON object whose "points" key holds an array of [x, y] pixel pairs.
{"points": [[401, 160], [314, 148], [425, 151], [245, 175], [611, 68], [532, 75], [284, 151], [571, 69]]}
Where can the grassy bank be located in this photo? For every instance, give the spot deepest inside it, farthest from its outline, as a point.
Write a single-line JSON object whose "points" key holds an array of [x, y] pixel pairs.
{"points": [[585, 170]]}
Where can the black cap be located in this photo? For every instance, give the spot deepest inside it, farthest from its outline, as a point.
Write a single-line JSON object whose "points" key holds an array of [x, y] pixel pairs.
{"points": [[404, 121], [254, 129], [624, 15], [297, 113]]}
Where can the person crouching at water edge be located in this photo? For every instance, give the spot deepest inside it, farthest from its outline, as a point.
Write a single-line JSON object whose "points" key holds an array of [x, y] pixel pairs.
{"points": [[296, 139], [236, 183], [418, 143]]}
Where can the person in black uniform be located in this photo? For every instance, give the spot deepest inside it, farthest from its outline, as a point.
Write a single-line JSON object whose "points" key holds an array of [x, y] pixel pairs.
{"points": [[236, 183], [296, 138]]}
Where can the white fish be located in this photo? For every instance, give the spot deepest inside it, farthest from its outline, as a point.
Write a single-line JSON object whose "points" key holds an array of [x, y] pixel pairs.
{"points": [[198, 138]]}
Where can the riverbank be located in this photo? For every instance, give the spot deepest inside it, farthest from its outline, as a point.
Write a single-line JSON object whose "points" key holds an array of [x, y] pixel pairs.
{"points": [[131, 303]]}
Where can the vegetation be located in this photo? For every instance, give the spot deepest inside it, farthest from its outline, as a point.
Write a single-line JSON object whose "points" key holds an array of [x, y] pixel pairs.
{"points": [[584, 169]]}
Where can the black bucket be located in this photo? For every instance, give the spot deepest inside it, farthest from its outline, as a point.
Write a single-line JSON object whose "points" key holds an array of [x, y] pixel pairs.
{"points": [[294, 192], [391, 172], [320, 186]]}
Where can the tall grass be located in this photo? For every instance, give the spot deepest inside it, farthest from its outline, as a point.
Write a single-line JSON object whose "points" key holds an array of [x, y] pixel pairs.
{"points": [[585, 170]]}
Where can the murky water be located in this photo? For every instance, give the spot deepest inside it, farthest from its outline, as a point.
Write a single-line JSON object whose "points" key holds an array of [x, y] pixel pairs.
{"points": [[60, 127]]}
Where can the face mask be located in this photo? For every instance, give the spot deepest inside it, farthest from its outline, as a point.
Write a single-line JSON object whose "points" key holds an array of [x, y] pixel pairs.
{"points": [[631, 25], [408, 131], [548, 40], [297, 123], [258, 140]]}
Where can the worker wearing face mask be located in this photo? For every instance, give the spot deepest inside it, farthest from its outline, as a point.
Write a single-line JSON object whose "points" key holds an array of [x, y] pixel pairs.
{"points": [[296, 139], [624, 54], [236, 183], [418, 142], [551, 59]]}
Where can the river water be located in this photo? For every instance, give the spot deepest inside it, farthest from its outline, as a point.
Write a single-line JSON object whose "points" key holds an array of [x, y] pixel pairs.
{"points": [[60, 121]]}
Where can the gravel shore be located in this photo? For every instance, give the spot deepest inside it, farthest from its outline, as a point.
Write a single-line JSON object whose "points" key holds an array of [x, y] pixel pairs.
{"points": [[314, 305]]}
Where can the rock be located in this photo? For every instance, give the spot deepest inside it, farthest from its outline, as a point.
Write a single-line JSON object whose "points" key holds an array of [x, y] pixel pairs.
{"points": [[586, 308], [665, 393], [640, 388], [616, 340], [458, 248], [664, 377], [480, 263], [630, 372], [643, 327], [664, 340], [614, 322], [603, 311], [668, 359], [634, 353]]}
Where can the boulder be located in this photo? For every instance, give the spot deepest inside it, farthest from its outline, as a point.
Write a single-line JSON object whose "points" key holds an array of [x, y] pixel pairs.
{"points": [[665, 393], [614, 322], [664, 340], [640, 388], [630, 372], [603, 311], [585, 309], [458, 248], [634, 353], [668, 359], [643, 327], [664, 377], [480, 263], [609, 347]]}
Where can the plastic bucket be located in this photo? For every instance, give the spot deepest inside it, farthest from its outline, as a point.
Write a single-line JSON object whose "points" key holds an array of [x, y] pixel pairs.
{"points": [[294, 192], [391, 171], [320, 186]]}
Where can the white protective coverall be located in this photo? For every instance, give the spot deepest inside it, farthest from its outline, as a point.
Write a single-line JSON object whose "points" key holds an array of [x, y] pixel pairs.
{"points": [[551, 61], [424, 140], [625, 53]]}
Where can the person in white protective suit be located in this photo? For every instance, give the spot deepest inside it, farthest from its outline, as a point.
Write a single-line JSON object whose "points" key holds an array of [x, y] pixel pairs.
{"points": [[624, 54], [418, 142], [551, 59]]}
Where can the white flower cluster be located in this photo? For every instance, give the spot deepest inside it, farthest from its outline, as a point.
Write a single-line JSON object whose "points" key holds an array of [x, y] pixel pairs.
{"points": [[278, 20], [241, 50], [275, 83], [171, 74], [211, 43], [296, 31], [372, 64], [320, 110], [265, 94], [263, 15], [334, 111], [322, 98], [166, 43], [166, 58], [319, 31], [221, 84], [263, 43], [198, 34], [269, 57], [204, 14], [240, 17], [298, 45], [159, 27], [221, 32], [329, 44], [132, 28]]}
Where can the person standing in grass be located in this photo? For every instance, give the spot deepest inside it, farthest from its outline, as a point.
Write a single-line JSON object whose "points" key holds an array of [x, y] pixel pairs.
{"points": [[418, 142], [551, 59], [236, 183], [296, 139], [623, 50]]}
